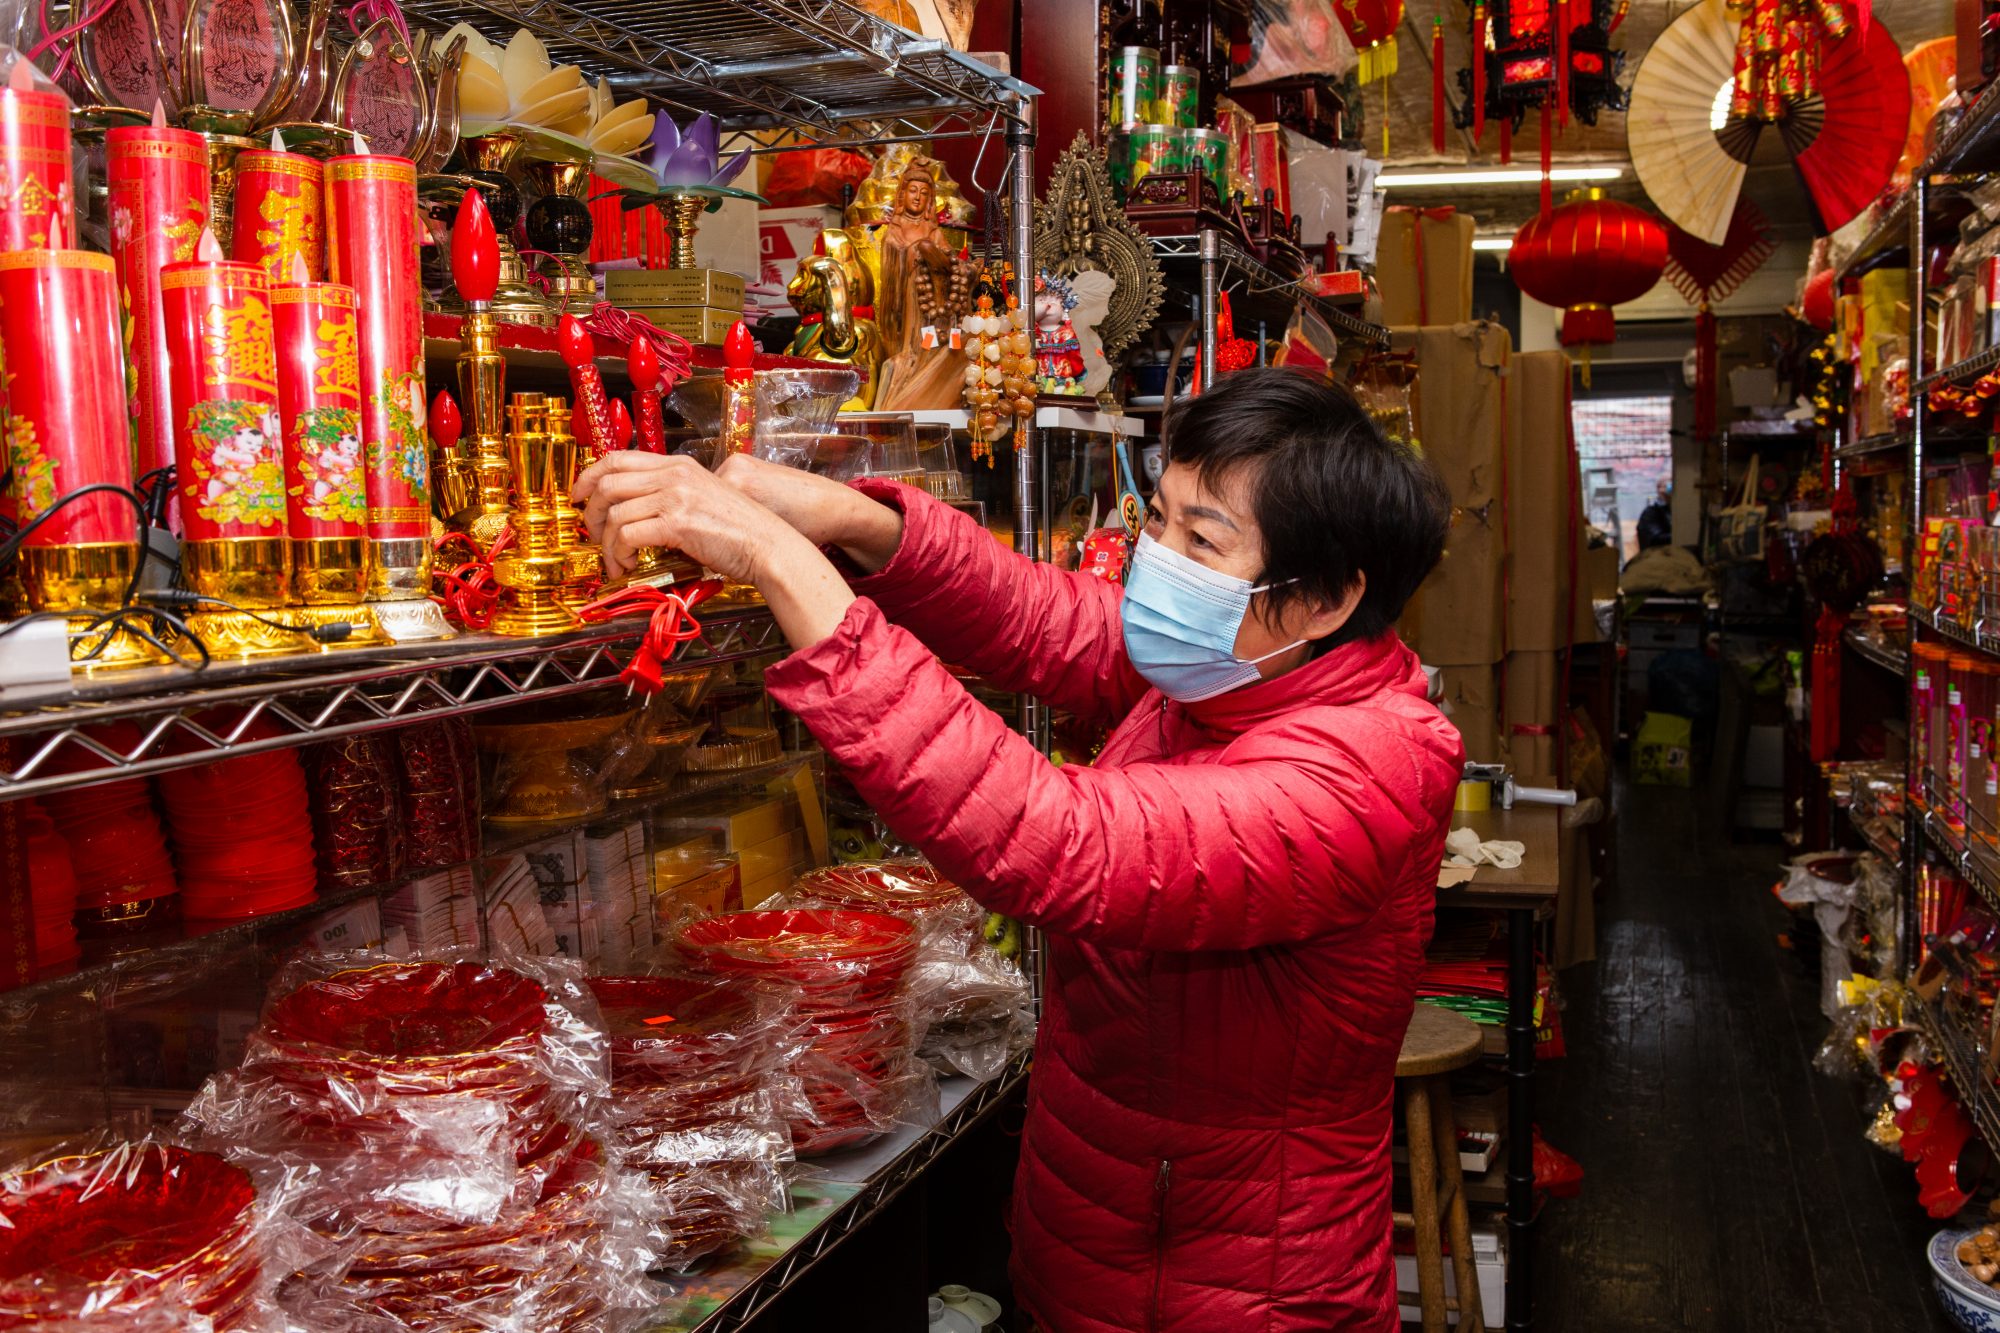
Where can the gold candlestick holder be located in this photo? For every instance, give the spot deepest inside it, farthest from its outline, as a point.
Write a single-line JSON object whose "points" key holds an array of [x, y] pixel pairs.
{"points": [[583, 563], [492, 157], [77, 580], [482, 389], [533, 571]]}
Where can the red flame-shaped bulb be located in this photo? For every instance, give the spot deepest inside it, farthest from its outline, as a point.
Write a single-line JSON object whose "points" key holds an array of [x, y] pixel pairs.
{"points": [[739, 354], [475, 250], [445, 423], [574, 343], [643, 364], [621, 425]]}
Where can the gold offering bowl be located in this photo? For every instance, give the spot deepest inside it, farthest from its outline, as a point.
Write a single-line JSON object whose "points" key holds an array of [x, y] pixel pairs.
{"points": [[546, 770]]}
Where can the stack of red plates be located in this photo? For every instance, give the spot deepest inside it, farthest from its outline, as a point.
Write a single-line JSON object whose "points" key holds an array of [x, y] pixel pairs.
{"points": [[693, 1070], [846, 970], [52, 886], [104, 1239], [116, 848], [242, 834]]}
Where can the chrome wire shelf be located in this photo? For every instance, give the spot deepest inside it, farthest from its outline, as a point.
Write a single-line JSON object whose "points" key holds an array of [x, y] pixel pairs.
{"points": [[1973, 366], [1873, 444], [175, 720], [1952, 1044], [819, 67], [1890, 659], [1976, 640], [1953, 849], [1261, 284]]}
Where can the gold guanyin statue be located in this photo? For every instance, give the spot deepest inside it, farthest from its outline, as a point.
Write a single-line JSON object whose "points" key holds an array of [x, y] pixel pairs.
{"points": [[886, 290]]}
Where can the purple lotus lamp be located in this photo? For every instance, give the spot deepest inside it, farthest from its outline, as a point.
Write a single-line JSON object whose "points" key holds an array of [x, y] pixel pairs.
{"points": [[688, 181]]}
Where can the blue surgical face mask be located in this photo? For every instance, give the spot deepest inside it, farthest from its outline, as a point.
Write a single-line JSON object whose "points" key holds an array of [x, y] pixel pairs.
{"points": [[1181, 621]]}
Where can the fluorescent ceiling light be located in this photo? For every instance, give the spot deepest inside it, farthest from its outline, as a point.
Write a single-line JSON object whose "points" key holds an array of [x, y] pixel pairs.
{"points": [[1493, 242], [1390, 180]]}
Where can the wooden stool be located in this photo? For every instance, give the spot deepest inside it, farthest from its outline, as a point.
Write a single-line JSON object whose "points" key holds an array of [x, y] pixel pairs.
{"points": [[1438, 1042]]}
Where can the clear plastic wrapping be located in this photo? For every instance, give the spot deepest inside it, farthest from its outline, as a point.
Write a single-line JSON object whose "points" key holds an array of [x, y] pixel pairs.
{"points": [[142, 1234], [973, 1006], [356, 811], [845, 975], [702, 1096], [452, 1118]]}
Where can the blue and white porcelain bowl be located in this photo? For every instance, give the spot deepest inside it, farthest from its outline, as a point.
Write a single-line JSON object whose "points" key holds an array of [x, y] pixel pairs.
{"points": [[1972, 1305]]}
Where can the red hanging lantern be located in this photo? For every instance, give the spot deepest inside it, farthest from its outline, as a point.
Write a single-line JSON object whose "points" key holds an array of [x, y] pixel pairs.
{"points": [[1371, 26], [1586, 255]]}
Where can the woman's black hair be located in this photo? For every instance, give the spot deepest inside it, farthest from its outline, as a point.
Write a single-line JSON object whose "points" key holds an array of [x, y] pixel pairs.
{"points": [[1335, 499]]}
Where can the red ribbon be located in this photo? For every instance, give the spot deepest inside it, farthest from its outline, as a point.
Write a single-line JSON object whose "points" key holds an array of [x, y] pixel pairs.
{"points": [[1437, 85], [672, 624], [622, 326]]}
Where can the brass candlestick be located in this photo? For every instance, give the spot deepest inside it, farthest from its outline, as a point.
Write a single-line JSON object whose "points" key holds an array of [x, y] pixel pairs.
{"points": [[482, 386], [532, 572], [583, 563]]}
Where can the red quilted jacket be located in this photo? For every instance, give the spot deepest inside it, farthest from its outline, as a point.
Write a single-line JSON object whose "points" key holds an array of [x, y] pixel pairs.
{"points": [[1237, 896]]}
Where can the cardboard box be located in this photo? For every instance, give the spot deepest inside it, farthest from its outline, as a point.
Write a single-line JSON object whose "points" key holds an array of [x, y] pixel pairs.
{"points": [[1596, 581], [717, 889], [673, 288], [1423, 266], [1545, 504], [787, 235], [1457, 617], [740, 821], [698, 324], [1470, 700], [1460, 405], [1663, 755], [776, 856], [1531, 716]]}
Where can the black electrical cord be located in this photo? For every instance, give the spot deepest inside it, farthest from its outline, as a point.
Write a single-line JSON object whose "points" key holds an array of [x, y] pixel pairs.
{"points": [[334, 631], [11, 547]]}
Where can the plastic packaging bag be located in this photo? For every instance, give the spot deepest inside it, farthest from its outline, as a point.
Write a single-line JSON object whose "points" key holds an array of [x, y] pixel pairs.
{"points": [[702, 1096], [452, 1118]]}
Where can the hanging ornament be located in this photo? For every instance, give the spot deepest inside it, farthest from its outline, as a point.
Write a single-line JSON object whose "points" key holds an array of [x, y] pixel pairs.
{"points": [[1705, 274], [999, 360], [1541, 54], [1371, 26], [1779, 50], [1584, 256]]}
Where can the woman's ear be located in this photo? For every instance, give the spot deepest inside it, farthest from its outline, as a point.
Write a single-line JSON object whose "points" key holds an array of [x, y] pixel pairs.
{"points": [[1318, 619]]}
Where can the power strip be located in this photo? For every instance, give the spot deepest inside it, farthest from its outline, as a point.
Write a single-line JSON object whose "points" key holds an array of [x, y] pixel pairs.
{"points": [[34, 661]]}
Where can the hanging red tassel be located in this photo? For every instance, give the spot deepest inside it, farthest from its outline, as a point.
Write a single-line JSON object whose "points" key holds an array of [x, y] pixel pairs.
{"points": [[1547, 143], [1704, 373], [1826, 685], [1437, 85], [1506, 137], [1560, 15], [1478, 72]]}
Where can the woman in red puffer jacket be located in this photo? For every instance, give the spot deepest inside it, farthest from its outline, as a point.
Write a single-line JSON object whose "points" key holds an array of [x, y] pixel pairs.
{"points": [[1237, 893]]}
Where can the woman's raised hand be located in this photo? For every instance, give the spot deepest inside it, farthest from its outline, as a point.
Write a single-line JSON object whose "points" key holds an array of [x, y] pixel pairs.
{"points": [[824, 511], [633, 499]]}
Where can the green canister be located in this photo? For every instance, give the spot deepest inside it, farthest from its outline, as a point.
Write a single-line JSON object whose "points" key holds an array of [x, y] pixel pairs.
{"points": [[1151, 148], [1180, 95], [1135, 86], [1208, 153]]}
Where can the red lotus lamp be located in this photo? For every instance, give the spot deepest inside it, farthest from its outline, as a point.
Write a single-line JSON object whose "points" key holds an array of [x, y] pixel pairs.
{"points": [[1585, 256]]}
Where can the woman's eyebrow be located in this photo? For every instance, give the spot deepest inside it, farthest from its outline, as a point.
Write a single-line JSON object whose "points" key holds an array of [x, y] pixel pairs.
{"points": [[1203, 511]]}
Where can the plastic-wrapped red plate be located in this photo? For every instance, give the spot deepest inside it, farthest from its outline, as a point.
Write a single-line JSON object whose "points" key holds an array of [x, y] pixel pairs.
{"points": [[400, 1013]]}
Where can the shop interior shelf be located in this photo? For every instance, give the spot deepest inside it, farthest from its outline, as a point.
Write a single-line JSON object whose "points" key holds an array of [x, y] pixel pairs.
{"points": [[850, 1189], [175, 719], [824, 68], [1874, 444], [1962, 372], [1973, 144], [1888, 239], [1951, 847], [1889, 658], [1956, 1047], [1884, 845], [1255, 292], [1977, 640]]}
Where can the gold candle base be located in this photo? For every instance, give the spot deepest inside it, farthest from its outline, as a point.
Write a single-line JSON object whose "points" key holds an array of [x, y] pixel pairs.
{"points": [[534, 606], [657, 567], [683, 218], [78, 578], [399, 569], [253, 572], [412, 620], [281, 631], [514, 301], [108, 647], [454, 489], [330, 571], [222, 152]]}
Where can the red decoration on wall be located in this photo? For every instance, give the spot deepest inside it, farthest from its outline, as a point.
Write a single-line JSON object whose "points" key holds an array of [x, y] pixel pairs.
{"points": [[1705, 274]]}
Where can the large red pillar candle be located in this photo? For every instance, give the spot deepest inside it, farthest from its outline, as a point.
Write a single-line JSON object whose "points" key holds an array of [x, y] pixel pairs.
{"points": [[371, 212], [228, 447], [319, 406], [280, 213], [36, 194], [65, 424], [158, 182]]}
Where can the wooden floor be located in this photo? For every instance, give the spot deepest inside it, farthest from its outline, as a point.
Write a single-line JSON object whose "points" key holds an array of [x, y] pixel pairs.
{"points": [[1727, 1186]]}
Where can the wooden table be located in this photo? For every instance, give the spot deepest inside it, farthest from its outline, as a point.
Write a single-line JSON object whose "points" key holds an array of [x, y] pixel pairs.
{"points": [[1524, 893]]}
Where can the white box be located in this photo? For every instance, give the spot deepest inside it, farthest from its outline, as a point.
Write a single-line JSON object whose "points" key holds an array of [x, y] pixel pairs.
{"points": [[784, 237], [1489, 1261]]}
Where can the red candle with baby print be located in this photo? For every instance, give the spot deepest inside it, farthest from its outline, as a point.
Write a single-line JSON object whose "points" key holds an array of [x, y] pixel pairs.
{"points": [[372, 243], [228, 447], [319, 406]]}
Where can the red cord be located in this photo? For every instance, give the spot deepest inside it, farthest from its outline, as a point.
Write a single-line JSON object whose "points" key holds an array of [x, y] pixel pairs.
{"points": [[672, 624], [622, 326], [468, 591]]}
